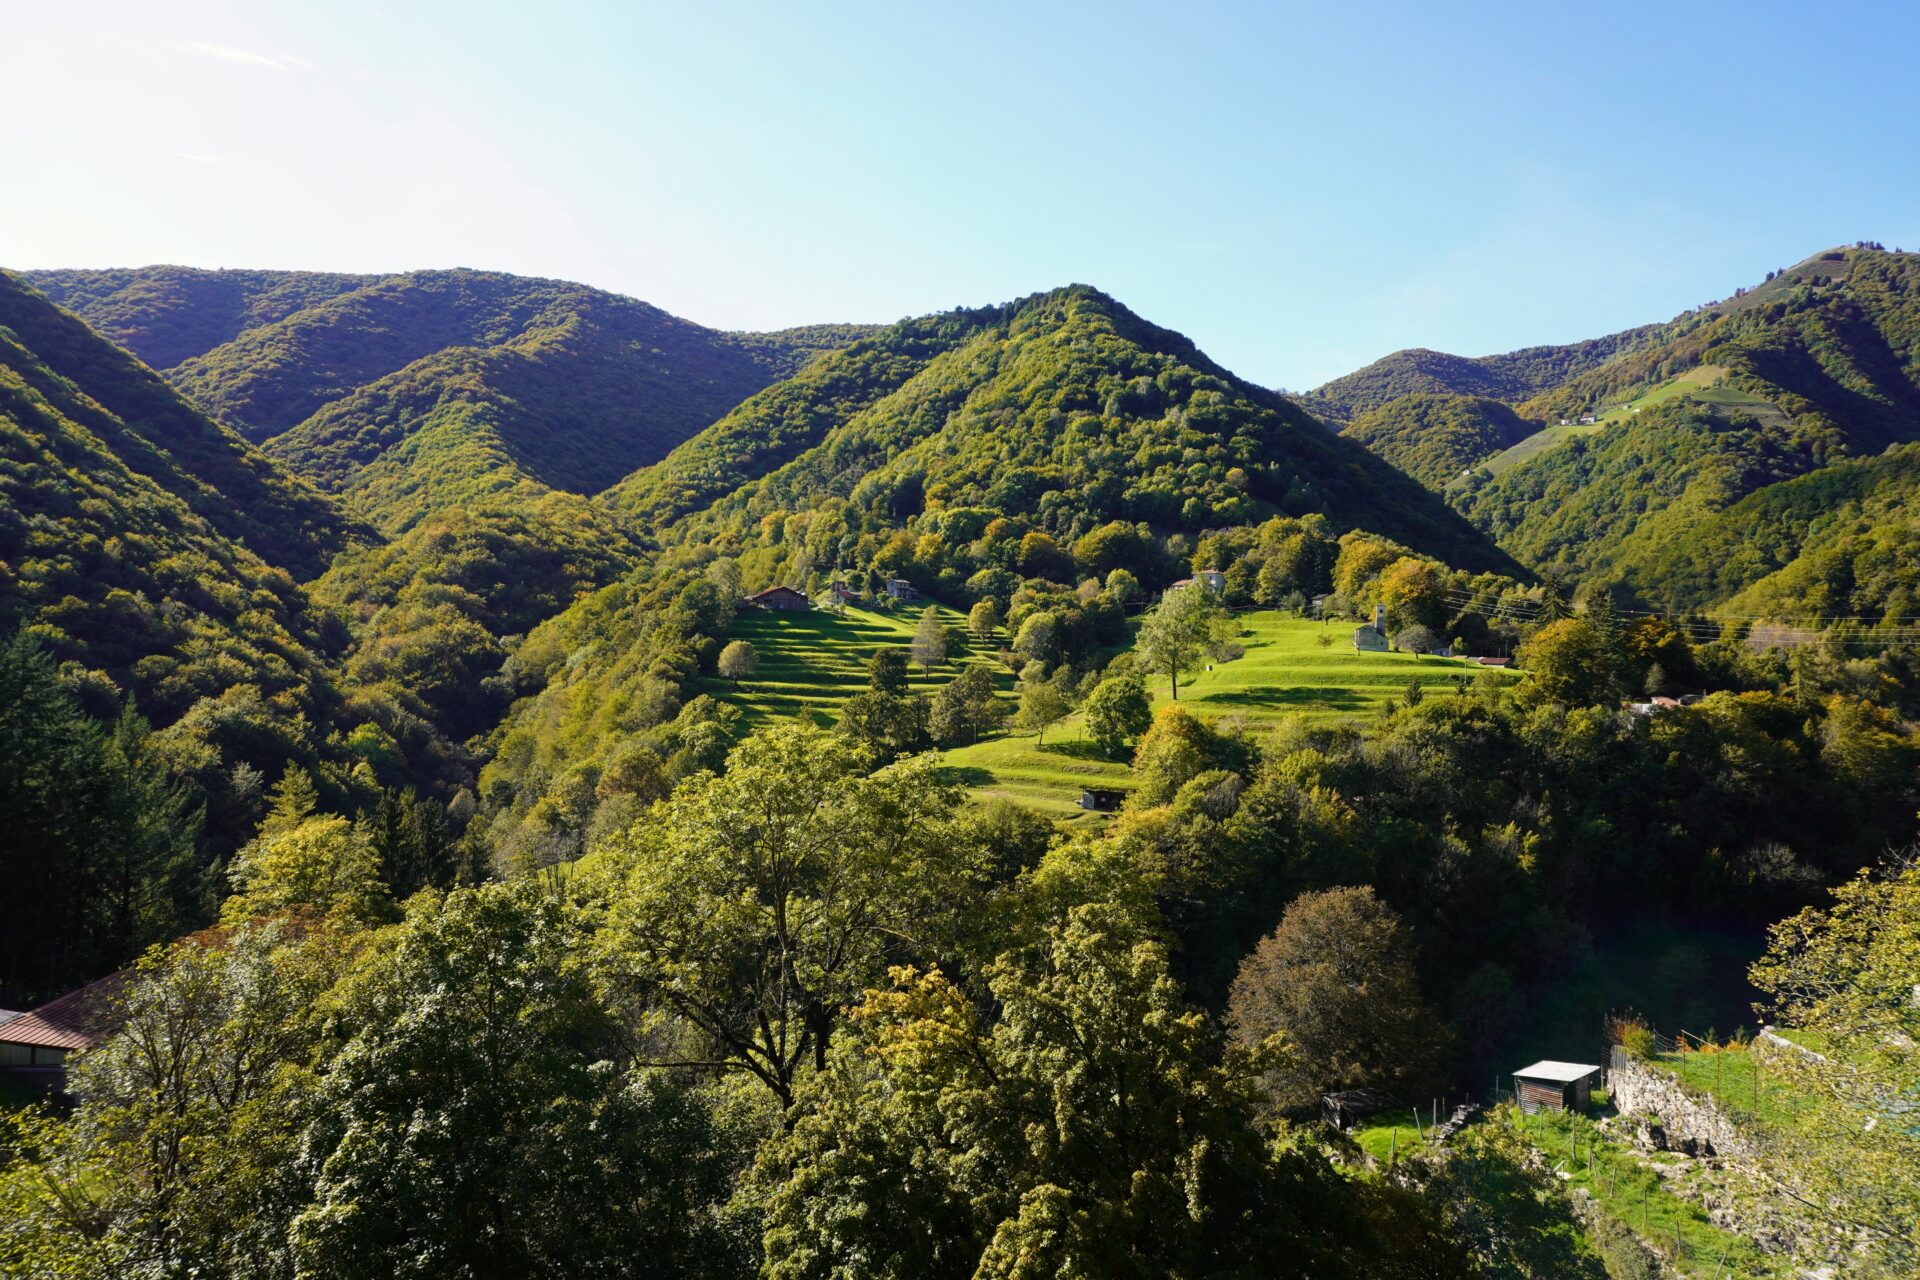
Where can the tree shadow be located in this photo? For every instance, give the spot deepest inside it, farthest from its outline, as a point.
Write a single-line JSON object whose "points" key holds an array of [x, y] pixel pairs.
{"points": [[1077, 749]]}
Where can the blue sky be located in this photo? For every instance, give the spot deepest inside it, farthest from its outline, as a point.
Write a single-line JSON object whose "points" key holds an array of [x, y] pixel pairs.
{"points": [[1299, 188]]}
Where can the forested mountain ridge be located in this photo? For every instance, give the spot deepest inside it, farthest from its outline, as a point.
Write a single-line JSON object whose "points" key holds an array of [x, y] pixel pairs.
{"points": [[475, 379], [1511, 377], [1064, 410], [1436, 437], [138, 539], [1818, 365], [156, 433], [166, 315]]}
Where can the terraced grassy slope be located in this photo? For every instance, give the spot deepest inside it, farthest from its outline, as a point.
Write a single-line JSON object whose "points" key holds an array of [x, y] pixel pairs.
{"points": [[809, 663], [1702, 385], [1285, 671]]}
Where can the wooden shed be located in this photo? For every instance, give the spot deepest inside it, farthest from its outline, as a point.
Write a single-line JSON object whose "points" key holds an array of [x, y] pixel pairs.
{"points": [[1554, 1086]]}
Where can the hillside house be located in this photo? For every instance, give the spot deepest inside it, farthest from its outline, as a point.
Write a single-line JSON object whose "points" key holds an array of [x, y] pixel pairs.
{"points": [[844, 594], [1554, 1086], [779, 598], [1102, 800], [1494, 662], [1215, 580], [34, 1045], [901, 589], [1369, 639]]}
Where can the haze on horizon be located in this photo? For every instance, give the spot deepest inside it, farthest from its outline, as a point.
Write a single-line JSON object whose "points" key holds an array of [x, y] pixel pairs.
{"points": [[1299, 189]]}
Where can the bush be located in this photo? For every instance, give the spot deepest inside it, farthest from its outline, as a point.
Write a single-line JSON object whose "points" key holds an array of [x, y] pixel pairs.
{"points": [[1636, 1039]]}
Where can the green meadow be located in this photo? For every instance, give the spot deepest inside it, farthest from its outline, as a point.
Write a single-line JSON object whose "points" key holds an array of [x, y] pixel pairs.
{"points": [[811, 662]]}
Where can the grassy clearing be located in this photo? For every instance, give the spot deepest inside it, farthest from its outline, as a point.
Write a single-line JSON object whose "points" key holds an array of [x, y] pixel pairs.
{"points": [[1389, 1135], [1538, 443], [1644, 1192], [1288, 671], [1704, 384], [810, 663], [1285, 671]]}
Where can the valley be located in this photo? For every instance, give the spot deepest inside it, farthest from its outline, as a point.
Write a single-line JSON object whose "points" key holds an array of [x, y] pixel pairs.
{"points": [[460, 623]]}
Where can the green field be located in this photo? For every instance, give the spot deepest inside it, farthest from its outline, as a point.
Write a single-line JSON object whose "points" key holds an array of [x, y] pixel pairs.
{"points": [[1285, 671], [1740, 1082], [809, 663]]}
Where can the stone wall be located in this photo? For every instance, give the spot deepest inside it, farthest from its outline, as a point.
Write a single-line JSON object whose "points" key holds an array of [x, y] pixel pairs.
{"points": [[1687, 1123]]}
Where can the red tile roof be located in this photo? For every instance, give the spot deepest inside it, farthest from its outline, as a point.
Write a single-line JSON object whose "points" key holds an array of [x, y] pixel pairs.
{"points": [[74, 1021]]}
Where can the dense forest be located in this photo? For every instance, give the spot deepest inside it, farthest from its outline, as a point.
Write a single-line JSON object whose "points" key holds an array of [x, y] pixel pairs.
{"points": [[1671, 457], [370, 708]]}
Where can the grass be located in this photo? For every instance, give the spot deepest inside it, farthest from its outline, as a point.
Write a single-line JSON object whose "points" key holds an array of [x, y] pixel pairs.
{"points": [[811, 663], [1641, 1191], [1739, 1081], [1285, 671], [1538, 443], [1389, 1134]]}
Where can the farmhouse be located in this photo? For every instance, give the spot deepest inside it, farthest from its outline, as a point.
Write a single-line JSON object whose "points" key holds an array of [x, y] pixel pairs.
{"points": [[34, 1045], [845, 594], [1554, 1086], [901, 589], [779, 598], [1369, 639], [1215, 580]]}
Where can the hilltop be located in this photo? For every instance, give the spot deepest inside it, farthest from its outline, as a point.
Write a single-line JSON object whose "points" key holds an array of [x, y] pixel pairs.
{"points": [[1063, 409], [409, 392], [1512, 376], [1813, 368], [1640, 459]]}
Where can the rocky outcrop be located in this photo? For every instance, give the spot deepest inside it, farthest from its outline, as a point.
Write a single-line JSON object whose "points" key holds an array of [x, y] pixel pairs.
{"points": [[1671, 1118]]}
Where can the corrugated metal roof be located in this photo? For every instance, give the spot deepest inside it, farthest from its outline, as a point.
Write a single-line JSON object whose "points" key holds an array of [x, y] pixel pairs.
{"points": [[74, 1021], [1557, 1072]]}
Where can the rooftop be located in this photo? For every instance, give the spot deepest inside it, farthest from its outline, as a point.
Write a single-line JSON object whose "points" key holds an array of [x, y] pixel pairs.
{"points": [[74, 1021], [1558, 1072]]}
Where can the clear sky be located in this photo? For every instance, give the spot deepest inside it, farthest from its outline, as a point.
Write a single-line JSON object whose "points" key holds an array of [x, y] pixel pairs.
{"points": [[1299, 188]]}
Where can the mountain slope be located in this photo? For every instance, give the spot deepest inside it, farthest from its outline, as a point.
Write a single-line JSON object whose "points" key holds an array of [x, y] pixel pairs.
{"points": [[1820, 365], [1436, 437], [166, 315], [1064, 411], [441, 384], [240, 494], [1511, 377], [137, 538], [1053, 456]]}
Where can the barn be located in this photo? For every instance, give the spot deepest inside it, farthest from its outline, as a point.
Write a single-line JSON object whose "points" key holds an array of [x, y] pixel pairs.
{"points": [[779, 598], [1554, 1086]]}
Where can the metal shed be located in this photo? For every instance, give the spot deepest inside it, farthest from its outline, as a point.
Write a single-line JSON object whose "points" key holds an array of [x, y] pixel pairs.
{"points": [[1554, 1086]]}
